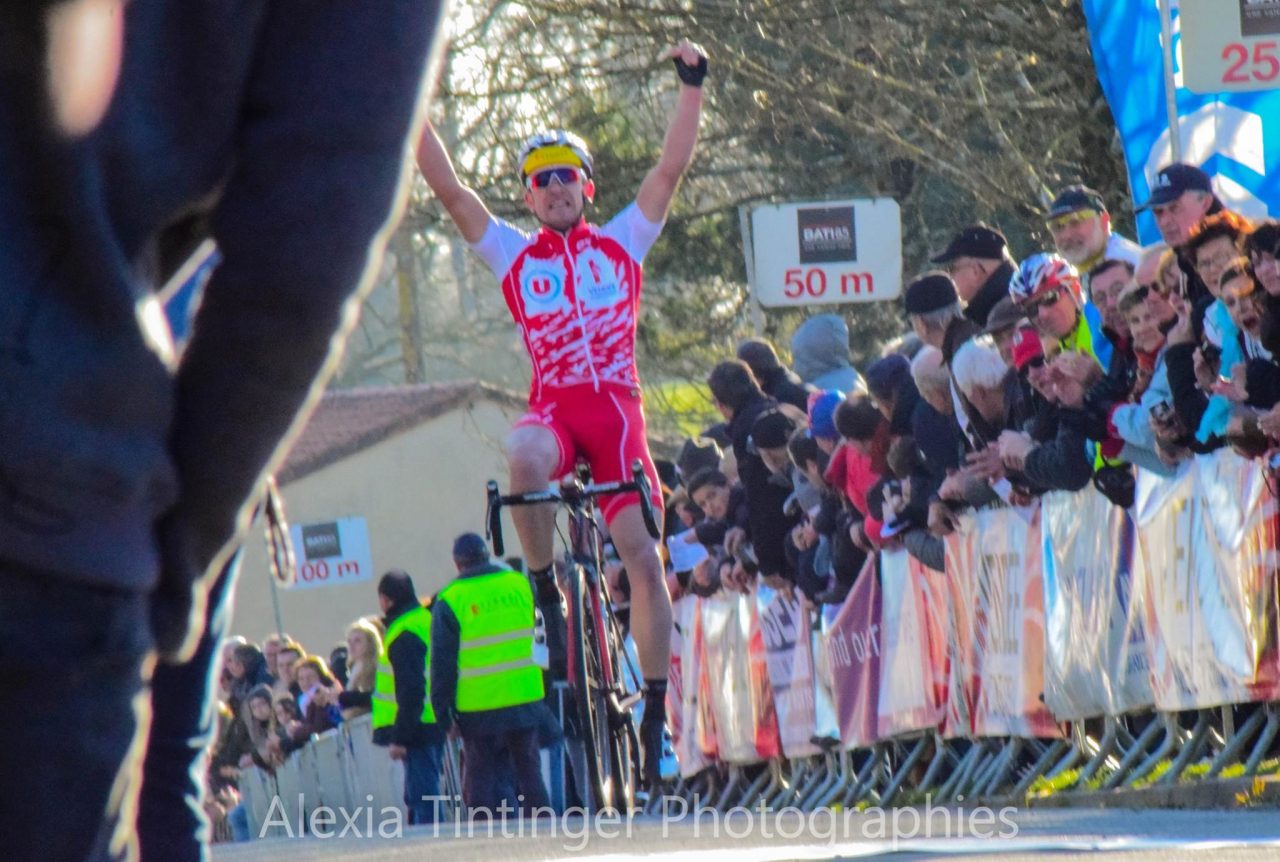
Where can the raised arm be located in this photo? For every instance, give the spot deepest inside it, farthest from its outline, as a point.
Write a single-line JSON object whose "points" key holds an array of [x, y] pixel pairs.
{"points": [[659, 186], [464, 206]]}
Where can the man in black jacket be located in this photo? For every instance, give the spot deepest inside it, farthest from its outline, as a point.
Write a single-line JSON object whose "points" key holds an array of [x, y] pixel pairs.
{"points": [[978, 261], [500, 728], [126, 474], [410, 737], [740, 400]]}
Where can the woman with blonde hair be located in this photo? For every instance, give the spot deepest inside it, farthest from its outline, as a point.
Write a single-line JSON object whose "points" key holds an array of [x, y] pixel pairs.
{"points": [[364, 645]]}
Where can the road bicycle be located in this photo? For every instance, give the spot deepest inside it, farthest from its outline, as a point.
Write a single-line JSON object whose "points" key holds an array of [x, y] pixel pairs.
{"points": [[603, 743]]}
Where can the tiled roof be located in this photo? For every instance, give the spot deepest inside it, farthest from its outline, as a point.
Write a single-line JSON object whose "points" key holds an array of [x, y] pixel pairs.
{"points": [[348, 421]]}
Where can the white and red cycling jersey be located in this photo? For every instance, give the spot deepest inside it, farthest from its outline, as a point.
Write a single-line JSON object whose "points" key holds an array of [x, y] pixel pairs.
{"points": [[575, 297]]}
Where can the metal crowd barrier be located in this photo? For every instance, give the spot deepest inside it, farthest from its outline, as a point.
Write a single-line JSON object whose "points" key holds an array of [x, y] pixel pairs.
{"points": [[1072, 645]]}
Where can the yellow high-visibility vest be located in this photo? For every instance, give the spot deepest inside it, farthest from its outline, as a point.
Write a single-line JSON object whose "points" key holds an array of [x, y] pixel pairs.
{"points": [[495, 650], [418, 623]]}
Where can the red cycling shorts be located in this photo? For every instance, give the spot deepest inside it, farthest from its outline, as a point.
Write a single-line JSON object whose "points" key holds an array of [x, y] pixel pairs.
{"points": [[606, 429]]}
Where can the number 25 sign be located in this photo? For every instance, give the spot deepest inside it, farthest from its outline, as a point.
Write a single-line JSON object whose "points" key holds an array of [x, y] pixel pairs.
{"points": [[1230, 45]]}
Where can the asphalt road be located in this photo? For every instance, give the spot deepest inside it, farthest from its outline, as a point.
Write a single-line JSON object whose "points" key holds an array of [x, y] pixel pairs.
{"points": [[1007, 834]]}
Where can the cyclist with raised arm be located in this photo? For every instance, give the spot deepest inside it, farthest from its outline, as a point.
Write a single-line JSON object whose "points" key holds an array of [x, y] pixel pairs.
{"points": [[573, 289]]}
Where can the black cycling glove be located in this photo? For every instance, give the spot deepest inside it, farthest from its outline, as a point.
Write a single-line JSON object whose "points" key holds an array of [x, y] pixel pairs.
{"points": [[691, 75]]}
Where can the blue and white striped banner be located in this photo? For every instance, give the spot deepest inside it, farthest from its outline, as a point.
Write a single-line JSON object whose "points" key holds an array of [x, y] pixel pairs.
{"points": [[1234, 137]]}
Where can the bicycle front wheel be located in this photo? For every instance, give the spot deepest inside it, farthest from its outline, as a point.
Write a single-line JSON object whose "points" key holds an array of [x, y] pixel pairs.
{"points": [[605, 740]]}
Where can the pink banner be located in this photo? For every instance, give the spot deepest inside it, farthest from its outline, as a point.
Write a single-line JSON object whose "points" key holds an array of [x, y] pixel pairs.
{"points": [[853, 647], [913, 601]]}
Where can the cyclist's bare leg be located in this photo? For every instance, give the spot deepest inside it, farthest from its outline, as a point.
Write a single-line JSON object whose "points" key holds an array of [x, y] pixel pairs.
{"points": [[650, 601], [532, 457], [650, 628]]}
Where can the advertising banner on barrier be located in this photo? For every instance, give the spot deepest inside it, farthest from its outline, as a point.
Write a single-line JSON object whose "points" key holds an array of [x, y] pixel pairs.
{"points": [[962, 603], [1002, 552], [1095, 644], [726, 630], [1207, 567], [784, 625], [852, 642], [682, 685], [703, 745], [913, 644], [763, 710]]}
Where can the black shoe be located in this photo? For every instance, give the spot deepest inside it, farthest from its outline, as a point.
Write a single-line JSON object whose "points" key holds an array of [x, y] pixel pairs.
{"points": [[651, 733]]}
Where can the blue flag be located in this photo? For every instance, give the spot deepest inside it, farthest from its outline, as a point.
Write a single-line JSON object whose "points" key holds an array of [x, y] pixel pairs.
{"points": [[1234, 137]]}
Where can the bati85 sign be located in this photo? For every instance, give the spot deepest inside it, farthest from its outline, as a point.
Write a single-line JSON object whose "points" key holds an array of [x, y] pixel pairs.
{"points": [[336, 552], [827, 252]]}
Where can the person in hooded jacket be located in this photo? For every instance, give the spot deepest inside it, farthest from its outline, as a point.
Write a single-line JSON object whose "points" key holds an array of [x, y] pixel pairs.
{"points": [[820, 354]]}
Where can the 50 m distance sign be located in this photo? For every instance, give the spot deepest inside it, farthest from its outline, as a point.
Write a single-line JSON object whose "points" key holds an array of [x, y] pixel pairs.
{"points": [[828, 252]]}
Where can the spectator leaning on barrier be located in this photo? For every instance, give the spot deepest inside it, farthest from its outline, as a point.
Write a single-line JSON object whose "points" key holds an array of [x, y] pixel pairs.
{"points": [[978, 261], [1001, 324], [776, 380], [1081, 229], [271, 645], [933, 425], [1181, 198], [483, 677], [820, 353], [364, 645], [738, 397], [724, 503], [319, 701], [1053, 454], [1048, 289], [403, 717]]}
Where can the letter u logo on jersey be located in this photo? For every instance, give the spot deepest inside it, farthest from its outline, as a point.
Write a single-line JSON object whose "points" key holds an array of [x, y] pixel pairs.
{"points": [[542, 285]]}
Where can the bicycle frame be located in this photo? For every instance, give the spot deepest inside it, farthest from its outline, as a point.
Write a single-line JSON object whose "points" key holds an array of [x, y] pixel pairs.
{"points": [[601, 712]]}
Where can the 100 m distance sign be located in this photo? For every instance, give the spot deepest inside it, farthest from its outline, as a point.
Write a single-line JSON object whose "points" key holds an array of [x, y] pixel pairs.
{"points": [[827, 252]]}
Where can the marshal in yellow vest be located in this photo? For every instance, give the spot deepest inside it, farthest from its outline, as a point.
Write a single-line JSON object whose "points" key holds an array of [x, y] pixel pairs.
{"points": [[495, 650], [418, 623]]}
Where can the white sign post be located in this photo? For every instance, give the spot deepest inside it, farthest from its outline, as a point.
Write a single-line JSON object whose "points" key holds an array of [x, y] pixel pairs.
{"points": [[827, 252], [1230, 46], [336, 552]]}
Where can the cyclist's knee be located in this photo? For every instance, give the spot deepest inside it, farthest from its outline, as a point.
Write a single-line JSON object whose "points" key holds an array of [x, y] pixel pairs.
{"points": [[532, 455], [637, 548]]}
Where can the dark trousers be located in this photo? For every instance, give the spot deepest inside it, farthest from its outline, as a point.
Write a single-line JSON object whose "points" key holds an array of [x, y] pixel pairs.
{"points": [[172, 826], [422, 765], [494, 762], [74, 675]]}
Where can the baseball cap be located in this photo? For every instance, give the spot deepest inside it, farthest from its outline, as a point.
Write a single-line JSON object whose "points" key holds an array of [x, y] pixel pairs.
{"points": [[1172, 180], [1026, 347], [930, 292], [822, 413], [1074, 198], [976, 240], [1005, 314]]}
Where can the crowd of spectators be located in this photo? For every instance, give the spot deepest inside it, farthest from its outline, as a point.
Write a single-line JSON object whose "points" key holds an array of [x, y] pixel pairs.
{"points": [[273, 698], [1015, 378]]}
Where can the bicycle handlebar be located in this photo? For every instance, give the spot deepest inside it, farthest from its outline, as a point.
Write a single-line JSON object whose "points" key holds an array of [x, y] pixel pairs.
{"points": [[572, 493]]}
